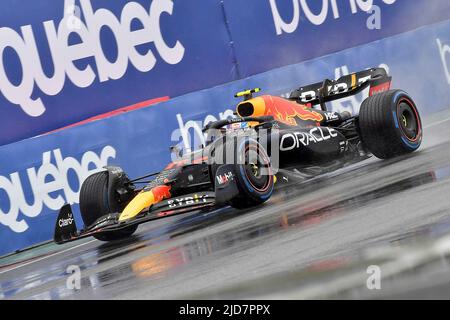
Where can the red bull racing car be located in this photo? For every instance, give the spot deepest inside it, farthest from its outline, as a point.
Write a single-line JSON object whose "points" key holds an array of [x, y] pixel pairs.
{"points": [[245, 157]]}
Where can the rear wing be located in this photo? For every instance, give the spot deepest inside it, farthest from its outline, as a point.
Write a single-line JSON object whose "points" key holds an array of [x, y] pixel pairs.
{"points": [[330, 90]]}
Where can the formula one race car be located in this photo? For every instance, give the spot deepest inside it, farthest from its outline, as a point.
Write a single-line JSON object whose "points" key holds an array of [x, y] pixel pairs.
{"points": [[236, 166]]}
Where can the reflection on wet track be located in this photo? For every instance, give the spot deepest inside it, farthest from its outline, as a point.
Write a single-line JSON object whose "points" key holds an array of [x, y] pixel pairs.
{"points": [[309, 231]]}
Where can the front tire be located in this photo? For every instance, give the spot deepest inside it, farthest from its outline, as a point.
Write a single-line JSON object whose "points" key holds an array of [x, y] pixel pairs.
{"points": [[390, 124], [96, 202], [254, 177]]}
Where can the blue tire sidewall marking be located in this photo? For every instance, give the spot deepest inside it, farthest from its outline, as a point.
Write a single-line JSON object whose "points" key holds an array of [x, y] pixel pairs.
{"points": [[394, 113], [268, 194], [241, 169], [398, 94], [247, 183], [409, 144]]}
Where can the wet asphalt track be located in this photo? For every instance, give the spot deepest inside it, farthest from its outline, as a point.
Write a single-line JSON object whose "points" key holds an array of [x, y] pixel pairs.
{"points": [[312, 240]]}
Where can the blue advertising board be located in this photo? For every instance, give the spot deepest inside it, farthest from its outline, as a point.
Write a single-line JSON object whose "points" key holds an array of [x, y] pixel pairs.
{"points": [[65, 61], [39, 175], [274, 33]]}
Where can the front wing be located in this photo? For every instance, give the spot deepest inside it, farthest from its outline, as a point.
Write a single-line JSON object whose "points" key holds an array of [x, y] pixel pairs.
{"points": [[66, 230]]}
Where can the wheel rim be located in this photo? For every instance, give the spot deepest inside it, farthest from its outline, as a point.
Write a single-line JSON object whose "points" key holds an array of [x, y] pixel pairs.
{"points": [[257, 169], [408, 119]]}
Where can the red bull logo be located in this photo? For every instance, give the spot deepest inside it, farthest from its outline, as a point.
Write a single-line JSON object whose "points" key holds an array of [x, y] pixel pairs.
{"points": [[282, 110], [161, 192]]}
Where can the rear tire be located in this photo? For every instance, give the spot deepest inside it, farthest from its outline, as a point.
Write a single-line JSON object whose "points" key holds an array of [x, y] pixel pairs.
{"points": [[95, 202], [390, 124]]}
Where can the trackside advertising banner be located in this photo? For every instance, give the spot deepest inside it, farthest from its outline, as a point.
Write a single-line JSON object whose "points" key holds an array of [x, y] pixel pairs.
{"points": [[39, 175], [67, 60], [274, 33]]}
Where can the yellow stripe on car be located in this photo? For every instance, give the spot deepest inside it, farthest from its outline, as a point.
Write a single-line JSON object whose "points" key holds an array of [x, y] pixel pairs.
{"points": [[140, 202], [144, 200], [353, 80]]}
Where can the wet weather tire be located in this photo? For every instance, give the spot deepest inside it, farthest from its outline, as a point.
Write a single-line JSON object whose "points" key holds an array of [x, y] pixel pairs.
{"points": [[95, 202], [254, 178], [390, 124]]}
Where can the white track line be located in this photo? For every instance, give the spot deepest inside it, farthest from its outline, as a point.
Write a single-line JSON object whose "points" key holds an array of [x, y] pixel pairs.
{"points": [[437, 123], [46, 257]]}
